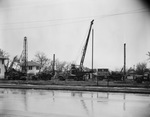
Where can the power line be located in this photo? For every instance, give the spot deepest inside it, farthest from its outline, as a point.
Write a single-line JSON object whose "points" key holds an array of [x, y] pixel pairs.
{"points": [[46, 25], [39, 21], [39, 4], [78, 18], [81, 19], [125, 13]]}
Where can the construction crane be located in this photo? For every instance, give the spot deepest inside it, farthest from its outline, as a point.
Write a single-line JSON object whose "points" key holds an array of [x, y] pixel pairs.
{"points": [[78, 73], [12, 63], [24, 56], [85, 47], [14, 74]]}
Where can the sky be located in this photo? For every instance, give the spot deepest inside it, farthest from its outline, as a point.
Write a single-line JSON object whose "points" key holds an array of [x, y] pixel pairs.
{"points": [[60, 27]]}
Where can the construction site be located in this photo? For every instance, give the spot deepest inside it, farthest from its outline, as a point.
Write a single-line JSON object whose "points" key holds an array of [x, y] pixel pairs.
{"points": [[23, 69], [74, 58]]}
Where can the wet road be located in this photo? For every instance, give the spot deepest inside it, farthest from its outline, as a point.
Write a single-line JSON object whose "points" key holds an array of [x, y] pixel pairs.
{"points": [[48, 103]]}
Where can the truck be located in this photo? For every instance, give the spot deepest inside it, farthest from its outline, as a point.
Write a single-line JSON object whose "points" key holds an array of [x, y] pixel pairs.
{"points": [[142, 78], [102, 73]]}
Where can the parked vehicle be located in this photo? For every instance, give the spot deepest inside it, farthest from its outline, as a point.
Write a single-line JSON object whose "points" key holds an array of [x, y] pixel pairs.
{"points": [[102, 73], [116, 75], [142, 78]]}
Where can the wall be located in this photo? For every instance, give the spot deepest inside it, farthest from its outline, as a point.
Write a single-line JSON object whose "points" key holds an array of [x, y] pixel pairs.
{"points": [[2, 70], [34, 71]]}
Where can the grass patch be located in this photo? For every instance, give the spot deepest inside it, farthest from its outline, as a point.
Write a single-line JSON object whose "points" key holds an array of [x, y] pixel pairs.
{"points": [[102, 83]]}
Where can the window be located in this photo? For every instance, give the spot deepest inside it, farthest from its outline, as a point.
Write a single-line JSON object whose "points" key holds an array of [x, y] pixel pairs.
{"points": [[37, 67], [30, 67], [100, 70]]}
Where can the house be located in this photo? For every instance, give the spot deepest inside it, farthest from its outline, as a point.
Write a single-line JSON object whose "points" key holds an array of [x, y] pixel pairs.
{"points": [[32, 67], [2, 67]]}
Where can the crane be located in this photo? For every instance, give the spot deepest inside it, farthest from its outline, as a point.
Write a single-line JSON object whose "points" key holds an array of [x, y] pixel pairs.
{"points": [[78, 73], [15, 74], [85, 47]]}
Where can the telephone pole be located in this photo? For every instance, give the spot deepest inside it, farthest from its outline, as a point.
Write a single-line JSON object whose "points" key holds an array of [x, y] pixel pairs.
{"points": [[92, 49], [124, 75], [53, 64]]}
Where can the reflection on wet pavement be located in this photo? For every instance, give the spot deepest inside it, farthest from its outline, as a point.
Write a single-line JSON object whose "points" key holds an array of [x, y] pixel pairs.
{"points": [[48, 103]]}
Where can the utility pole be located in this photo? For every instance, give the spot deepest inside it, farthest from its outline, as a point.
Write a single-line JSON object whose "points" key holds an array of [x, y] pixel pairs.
{"points": [[124, 61], [53, 64], [92, 49], [25, 38]]}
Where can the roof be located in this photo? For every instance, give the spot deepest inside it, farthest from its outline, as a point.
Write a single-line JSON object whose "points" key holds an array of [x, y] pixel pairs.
{"points": [[32, 63]]}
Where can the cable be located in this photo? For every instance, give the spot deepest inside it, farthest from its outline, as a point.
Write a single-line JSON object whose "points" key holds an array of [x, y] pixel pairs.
{"points": [[40, 4], [121, 14], [86, 18], [39, 21], [77, 18], [45, 25]]}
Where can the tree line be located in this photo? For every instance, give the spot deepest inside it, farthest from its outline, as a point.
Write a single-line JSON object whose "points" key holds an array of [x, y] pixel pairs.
{"points": [[46, 64]]}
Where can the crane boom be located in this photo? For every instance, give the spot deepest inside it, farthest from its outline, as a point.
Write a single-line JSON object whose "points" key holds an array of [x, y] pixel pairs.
{"points": [[85, 47], [12, 63]]}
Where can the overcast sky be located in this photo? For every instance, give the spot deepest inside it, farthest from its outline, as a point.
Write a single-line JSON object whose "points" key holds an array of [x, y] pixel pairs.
{"points": [[60, 27]]}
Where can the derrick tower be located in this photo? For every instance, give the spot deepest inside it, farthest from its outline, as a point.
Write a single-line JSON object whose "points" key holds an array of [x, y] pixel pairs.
{"points": [[25, 55]]}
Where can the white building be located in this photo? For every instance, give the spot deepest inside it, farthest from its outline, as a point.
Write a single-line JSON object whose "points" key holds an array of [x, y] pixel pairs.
{"points": [[2, 67], [32, 67]]}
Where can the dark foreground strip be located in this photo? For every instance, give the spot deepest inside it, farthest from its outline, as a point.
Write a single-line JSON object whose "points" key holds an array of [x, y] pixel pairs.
{"points": [[80, 88]]}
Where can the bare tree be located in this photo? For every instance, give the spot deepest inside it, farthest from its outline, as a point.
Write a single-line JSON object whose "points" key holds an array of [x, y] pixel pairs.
{"points": [[148, 54], [62, 66], [3, 53], [42, 59], [49, 66], [140, 68]]}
